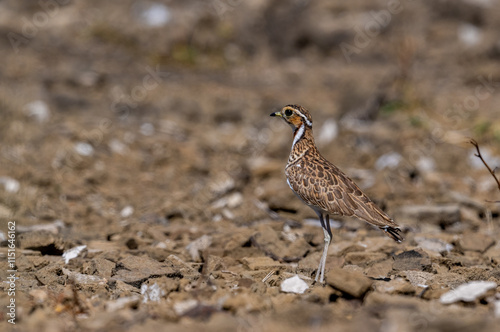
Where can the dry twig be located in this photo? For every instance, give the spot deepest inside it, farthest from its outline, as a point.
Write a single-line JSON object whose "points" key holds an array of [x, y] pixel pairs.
{"points": [[492, 172]]}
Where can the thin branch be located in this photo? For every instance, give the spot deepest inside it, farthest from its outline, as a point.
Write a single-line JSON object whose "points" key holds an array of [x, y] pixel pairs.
{"points": [[478, 154]]}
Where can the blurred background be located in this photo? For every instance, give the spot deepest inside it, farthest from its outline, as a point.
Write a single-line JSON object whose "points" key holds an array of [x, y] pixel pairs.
{"points": [[123, 113]]}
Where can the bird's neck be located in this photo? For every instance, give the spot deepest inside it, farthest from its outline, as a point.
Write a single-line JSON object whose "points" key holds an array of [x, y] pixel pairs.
{"points": [[303, 141]]}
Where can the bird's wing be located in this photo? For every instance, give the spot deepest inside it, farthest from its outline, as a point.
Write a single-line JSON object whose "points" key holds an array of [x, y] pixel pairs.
{"points": [[322, 184]]}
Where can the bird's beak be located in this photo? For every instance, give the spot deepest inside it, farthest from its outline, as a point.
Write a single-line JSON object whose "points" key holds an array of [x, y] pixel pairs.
{"points": [[275, 114]]}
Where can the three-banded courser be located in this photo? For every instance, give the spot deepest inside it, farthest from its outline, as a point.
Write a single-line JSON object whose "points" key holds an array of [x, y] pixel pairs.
{"points": [[323, 186]]}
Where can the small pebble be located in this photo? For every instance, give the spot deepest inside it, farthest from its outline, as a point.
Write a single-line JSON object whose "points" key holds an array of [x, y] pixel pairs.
{"points": [[39, 110], [467, 292], [117, 146], [154, 14], [84, 149], [10, 185], [294, 285], [147, 129], [469, 35], [328, 132], [127, 211], [184, 306], [151, 293], [389, 160], [72, 253], [198, 245]]}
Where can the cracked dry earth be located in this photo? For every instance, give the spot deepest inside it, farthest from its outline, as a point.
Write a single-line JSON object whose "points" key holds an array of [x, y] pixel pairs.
{"points": [[169, 210]]}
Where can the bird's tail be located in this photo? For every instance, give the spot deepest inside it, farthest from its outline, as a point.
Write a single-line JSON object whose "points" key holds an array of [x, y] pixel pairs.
{"points": [[393, 232]]}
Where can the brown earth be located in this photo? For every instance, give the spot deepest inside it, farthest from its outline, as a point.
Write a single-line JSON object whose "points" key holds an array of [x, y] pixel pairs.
{"points": [[152, 147]]}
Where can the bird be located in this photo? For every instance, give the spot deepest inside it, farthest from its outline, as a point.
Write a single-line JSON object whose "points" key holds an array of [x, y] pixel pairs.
{"points": [[323, 186]]}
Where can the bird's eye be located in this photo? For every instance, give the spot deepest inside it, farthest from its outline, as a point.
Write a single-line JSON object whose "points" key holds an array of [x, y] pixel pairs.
{"points": [[288, 112]]}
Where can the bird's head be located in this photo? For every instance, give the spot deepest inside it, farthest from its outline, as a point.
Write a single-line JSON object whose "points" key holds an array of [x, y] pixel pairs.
{"points": [[295, 116]]}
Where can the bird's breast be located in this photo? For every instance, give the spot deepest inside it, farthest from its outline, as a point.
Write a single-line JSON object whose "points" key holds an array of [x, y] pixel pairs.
{"points": [[294, 175]]}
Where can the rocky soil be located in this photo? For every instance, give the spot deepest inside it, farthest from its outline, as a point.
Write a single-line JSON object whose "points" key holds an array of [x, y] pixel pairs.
{"points": [[145, 176]]}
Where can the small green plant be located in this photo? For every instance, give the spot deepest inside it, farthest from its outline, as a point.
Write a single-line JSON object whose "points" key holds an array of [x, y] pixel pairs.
{"points": [[416, 121], [482, 127], [392, 106]]}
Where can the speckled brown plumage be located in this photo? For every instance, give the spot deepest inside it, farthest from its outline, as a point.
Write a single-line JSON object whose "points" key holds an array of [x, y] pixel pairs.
{"points": [[323, 186]]}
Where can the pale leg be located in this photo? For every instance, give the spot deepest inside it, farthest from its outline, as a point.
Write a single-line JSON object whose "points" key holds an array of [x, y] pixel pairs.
{"points": [[320, 268], [322, 262]]}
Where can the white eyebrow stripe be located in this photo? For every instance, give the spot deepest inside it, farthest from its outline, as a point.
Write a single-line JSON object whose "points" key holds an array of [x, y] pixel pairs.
{"points": [[309, 123]]}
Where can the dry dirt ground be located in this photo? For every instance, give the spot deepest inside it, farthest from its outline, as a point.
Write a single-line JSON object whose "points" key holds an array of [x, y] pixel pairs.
{"points": [[140, 131]]}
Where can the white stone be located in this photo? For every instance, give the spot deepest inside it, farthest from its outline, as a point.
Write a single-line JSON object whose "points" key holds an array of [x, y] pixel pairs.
{"points": [[469, 35], [117, 146], [72, 253], [122, 302], [10, 185], [127, 211], [147, 129], [154, 15], [84, 149], [184, 306], [38, 109], [328, 131], [294, 285], [223, 185], [231, 201], [497, 308], [198, 245], [389, 160], [54, 227], [426, 164], [431, 244], [234, 200], [467, 292], [420, 278], [84, 279], [151, 293]]}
